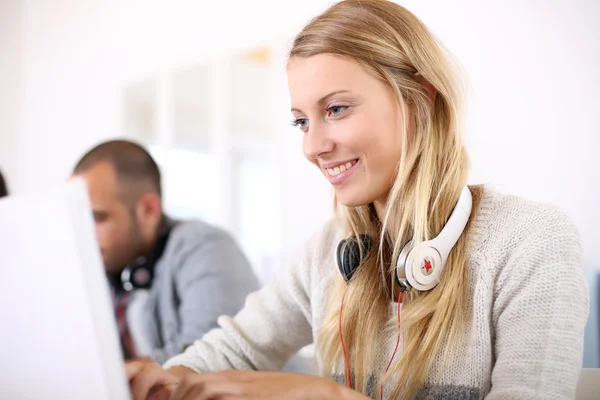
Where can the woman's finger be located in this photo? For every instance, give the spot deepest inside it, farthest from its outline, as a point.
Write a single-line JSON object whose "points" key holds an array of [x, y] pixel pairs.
{"points": [[164, 393], [152, 376], [133, 368], [208, 386]]}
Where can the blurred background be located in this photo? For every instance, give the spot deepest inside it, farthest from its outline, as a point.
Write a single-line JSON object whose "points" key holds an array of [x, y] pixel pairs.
{"points": [[203, 85]]}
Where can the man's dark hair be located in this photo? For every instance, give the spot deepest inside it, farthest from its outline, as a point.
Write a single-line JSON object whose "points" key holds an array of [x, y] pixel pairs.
{"points": [[132, 163], [3, 188]]}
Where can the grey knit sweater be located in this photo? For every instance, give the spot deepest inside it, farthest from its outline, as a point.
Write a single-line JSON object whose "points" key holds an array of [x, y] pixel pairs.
{"points": [[529, 308]]}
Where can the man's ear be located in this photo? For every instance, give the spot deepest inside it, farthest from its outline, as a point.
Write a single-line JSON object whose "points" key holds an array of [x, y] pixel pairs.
{"points": [[149, 206], [431, 90]]}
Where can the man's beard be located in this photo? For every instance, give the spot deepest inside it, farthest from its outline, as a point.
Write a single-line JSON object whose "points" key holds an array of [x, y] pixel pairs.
{"points": [[130, 251]]}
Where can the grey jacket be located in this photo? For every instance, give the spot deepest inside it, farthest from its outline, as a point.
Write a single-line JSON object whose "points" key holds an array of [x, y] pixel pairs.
{"points": [[201, 275]]}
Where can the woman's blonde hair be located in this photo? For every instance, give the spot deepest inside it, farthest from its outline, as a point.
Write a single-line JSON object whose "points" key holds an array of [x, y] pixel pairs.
{"points": [[397, 48]]}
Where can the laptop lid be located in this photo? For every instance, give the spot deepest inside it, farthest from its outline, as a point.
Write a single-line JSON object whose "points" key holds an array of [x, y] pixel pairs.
{"points": [[58, 338]]}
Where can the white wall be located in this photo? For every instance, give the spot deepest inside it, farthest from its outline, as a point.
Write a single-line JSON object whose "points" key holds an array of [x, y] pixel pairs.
{"points": [[534, 128], [77, 58], [78, 55], [532, 65]]}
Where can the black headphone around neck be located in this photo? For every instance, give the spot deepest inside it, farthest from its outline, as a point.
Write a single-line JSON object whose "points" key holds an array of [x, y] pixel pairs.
{"points": [[140, 273], [351, 252]]}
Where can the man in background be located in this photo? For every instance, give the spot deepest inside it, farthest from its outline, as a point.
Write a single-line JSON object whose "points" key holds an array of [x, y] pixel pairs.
{"points": [[3, 188], [170, 279]]}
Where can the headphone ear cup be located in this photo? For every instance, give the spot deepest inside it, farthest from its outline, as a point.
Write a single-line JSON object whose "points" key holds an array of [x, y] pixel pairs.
{"points": [[141, 277], [423, 267], [349, 255], [401, 267], [342, 265], [137, 276]]}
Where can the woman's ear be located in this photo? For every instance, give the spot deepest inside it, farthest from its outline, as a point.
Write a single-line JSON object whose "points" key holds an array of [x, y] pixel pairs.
{"points": [[431, 90]]}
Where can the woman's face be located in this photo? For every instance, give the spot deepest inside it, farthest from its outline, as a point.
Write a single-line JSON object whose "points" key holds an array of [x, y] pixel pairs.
{"points": [[352, 126]]}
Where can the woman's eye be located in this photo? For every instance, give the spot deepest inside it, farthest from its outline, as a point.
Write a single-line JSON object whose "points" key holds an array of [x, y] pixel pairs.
{"points": [[335, 110], [301, 123]]}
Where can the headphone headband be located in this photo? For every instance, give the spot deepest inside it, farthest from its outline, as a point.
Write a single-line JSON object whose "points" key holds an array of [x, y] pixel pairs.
{"points": [[447, 238]]}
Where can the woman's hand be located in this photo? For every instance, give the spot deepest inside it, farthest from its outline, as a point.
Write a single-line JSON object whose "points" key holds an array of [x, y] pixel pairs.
{"points": [[251, 385], [148, 380]]}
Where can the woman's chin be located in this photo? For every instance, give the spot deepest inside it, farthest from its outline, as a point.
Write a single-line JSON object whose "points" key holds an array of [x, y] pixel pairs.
{"points": [[352, 200]]}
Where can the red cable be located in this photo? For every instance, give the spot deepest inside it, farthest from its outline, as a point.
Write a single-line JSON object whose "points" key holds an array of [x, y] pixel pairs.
{"points": [[396, 349], [348, 372], [342, 340]]}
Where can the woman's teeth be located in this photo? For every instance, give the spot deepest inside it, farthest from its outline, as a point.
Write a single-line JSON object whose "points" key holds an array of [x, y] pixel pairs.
{"points": [[338, 170]]}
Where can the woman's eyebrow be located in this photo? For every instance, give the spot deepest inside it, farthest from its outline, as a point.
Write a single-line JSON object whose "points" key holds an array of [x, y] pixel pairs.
{"points": [[323, 99]]}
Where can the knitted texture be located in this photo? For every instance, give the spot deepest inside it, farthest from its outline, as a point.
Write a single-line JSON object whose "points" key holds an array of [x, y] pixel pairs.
{"points": [[529, 307]]}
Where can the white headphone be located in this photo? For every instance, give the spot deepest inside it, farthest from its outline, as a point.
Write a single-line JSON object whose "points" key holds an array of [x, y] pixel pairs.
{"points": [[418, 267], [421, 267]]}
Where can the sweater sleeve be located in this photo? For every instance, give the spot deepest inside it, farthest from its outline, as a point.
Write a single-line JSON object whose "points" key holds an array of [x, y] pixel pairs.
{"points": [[540, 311], [273, 325]]}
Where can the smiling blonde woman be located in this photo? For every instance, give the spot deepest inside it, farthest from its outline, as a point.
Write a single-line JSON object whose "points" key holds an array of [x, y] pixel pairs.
{"points": [[422, 287]]}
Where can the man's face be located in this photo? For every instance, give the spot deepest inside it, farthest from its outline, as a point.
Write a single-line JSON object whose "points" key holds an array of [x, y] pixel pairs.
{"points": [[116, 226]]}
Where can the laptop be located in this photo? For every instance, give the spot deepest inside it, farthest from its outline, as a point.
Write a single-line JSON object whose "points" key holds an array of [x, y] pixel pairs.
{"points": [[58, 338]]}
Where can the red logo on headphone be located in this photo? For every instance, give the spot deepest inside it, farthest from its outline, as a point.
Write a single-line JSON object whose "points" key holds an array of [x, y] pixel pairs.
{"points": [[427, 267], [141, 277]]}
